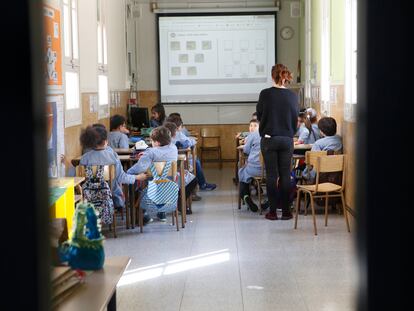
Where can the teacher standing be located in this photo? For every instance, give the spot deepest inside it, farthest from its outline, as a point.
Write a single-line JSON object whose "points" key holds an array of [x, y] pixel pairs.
{"points": [[277, 111]]}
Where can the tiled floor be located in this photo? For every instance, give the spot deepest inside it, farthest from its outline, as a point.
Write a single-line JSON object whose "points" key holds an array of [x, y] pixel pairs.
{"points": [[230, 259]]}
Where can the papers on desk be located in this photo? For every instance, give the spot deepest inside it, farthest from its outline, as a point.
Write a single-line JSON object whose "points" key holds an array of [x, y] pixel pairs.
{"points": [[141, 145], [64, 281]]}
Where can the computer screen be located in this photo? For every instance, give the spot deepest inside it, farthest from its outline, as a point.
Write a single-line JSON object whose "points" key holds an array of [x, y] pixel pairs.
{"points": [[138, 117], [214, 58]]}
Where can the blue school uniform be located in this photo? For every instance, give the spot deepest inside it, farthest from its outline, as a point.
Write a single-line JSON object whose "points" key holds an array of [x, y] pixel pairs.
{"points": [[118, 139], [155, 123], [155, 154], [328, 143], [108, 156], [183, 141], [253, 167], [310, 138]]}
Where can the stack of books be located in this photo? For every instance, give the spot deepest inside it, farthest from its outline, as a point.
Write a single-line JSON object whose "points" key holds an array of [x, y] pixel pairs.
{"points": [[64, 282]]}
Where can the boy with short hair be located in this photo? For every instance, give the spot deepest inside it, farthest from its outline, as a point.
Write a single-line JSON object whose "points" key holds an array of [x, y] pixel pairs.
{"points": [[117, 137]]}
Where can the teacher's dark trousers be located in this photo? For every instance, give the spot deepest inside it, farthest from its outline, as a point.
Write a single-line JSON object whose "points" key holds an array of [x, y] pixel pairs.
{"points": [[277, 153]]}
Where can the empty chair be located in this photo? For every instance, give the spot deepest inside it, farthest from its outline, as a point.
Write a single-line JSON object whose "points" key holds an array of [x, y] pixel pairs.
{"points": [[210, 142], [324, 164]]}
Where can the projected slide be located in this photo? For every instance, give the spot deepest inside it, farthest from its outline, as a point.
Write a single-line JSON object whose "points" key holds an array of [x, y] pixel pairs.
{"points": [[215, 58]]}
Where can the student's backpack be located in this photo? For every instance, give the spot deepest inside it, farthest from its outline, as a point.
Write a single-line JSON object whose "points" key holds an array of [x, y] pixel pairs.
{"points": [[96, 190], [161, 193]]}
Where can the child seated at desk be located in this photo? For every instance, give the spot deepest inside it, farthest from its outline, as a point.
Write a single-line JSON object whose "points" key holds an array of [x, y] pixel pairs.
{"points": [[253, 166], [243, 135], [95, 139], [189, 179], [330, 142], [310, 132], [157, 115], [183, 142], [162, 150], [183, 128], [118, 135]]}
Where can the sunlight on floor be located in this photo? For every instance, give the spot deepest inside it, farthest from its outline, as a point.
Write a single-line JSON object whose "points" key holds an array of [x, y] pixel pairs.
{"points": [[174, 266]]}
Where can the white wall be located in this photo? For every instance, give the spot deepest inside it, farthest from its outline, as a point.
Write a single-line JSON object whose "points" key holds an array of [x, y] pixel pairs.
{"points": [[88, 46], [117, 64]]}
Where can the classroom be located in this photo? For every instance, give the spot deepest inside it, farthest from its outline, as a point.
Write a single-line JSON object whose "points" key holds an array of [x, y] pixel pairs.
{"points": [[204, 155]]}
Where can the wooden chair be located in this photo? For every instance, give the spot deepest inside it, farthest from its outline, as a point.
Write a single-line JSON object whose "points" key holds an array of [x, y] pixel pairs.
{"points": [[210, 142], [324, 164], [310, 160], [159, 166], [109, 176]]}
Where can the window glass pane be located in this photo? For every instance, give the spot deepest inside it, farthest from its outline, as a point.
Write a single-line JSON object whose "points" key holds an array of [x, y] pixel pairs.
{"points": [[103, 90], [73, 4], [99, 44], [66, 31], [75, 34], [72, 90]]}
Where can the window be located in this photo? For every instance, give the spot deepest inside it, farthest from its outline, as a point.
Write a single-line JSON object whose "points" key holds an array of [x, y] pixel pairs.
{"points": [[103, 110], [350, 59], [325, 58], [73, 111]]}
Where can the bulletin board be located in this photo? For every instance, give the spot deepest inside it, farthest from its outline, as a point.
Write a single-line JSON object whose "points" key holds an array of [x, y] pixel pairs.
{"points": [[52, 48]]}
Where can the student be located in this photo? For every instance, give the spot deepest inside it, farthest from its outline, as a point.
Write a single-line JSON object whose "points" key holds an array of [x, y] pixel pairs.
{"points": [[253, 166], [330, 140], [157, 115], [118, 135], [241, 135], [183, 128], [95, 139], [182, 142], [189, 179], [310, 132], [162, 150], [301, 122]]}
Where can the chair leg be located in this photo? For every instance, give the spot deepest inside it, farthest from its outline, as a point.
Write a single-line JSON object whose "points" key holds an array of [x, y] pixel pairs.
{"points": [[313, 214], [297, 208], [326, 209], [176, 219], [259, 195], [306, 204], [114, 223], [345, 212]]}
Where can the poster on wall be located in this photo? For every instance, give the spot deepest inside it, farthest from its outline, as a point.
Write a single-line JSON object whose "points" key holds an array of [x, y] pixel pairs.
{"points": [[55, 135], [52, 49]]}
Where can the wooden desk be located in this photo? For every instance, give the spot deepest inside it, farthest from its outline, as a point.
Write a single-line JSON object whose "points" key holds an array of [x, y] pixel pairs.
{"points": [[303, 147], [124, 150], [99, 289]]}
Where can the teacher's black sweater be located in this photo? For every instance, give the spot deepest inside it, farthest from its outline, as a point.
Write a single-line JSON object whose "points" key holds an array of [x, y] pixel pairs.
{"points": [[277, 111]]}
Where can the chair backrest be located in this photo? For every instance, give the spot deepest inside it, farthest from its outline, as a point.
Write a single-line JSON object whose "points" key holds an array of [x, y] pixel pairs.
{"points": [[262, 163], [159, 166], [109, 172], [312, 156], [330, 164], [210, 137]]}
